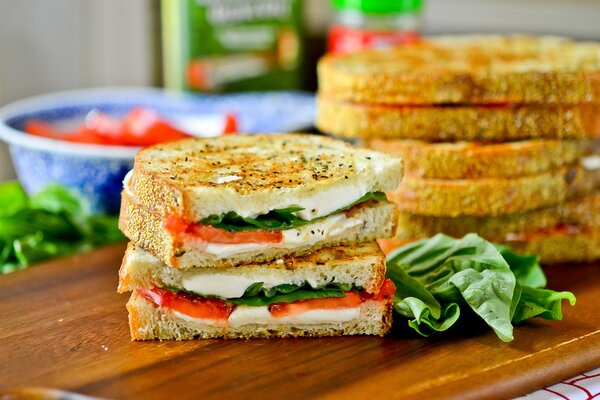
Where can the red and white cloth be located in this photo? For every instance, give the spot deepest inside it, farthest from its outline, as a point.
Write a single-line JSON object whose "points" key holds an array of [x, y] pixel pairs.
{"points": [[582, 387]]}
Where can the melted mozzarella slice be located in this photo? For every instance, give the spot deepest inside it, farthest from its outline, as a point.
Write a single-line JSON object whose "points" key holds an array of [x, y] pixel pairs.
{"points": [[245, 315], [292, 238]]}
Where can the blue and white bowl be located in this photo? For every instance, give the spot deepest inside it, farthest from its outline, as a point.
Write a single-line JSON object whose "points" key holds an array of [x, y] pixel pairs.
{"points": [[96, 171]]}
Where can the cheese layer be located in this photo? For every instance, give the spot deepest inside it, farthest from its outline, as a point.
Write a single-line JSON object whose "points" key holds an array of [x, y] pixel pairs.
{"points": [[315, 204], [246, 315], [310, 234]]}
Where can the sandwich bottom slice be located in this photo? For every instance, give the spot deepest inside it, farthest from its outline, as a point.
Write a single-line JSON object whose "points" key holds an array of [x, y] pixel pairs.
{"points": [[333, 291]]}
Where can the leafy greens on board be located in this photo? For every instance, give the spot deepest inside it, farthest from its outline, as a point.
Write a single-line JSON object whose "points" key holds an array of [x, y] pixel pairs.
{"points": [[280, 219], [55, 222], [436, 278]]}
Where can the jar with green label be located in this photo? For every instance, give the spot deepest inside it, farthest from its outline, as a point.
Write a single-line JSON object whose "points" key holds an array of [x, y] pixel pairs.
{"points": [[232, 45], [373, 24]]}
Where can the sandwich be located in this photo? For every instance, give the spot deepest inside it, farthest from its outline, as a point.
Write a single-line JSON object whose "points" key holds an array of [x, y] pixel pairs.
{"points": [[456, 122], [333, 291], [499, 135], [494, 196], [467, 70], [250, 199], [257, 237]]}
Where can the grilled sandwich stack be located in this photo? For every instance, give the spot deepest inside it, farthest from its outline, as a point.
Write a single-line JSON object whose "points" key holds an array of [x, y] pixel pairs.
{"points": [[257, 236], [499, 135]]}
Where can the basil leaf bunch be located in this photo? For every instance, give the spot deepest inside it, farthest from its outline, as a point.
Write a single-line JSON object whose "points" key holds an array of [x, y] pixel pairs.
{"points": [[440, 277], [55, 222]]}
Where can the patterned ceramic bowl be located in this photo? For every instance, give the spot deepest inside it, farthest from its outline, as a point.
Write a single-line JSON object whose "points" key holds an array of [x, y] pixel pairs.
{"points": [[96, 171]]}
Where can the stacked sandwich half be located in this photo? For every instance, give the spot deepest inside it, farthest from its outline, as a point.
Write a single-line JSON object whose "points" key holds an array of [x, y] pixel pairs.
{"points": [[257, 236], [497, 134]]}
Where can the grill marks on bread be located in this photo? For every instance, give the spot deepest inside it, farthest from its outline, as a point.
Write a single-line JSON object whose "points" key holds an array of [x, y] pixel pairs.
{"points": [[245, 164]]}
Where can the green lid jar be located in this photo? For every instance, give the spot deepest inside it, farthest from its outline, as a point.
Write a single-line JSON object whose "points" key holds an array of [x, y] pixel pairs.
{"points": [[367, 24]]}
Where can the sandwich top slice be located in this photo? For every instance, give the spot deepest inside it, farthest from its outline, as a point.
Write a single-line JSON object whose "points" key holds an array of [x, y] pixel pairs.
{"points": [[467, 69], [238, 199], [333, 291]]}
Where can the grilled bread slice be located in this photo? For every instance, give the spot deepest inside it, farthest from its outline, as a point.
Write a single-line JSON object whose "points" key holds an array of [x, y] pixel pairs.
{"points": [[469, 160], [468, 69], [552, 246], [457, 122], [145, 227], [361, 265], [582, 212], [494, 196], [148, 321], [252, 175]]}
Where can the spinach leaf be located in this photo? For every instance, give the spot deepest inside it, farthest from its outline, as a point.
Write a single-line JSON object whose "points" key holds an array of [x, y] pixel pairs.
{"points": [[279, 219], [258, 295], [437, 277], [55, 222]]}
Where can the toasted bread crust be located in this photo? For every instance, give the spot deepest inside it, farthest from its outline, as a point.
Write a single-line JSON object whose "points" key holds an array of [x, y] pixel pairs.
{"points": [[462, 123], [197, 178], [362, 265], [147, 322], [144, 227], [583, 212], [555, 248], [468, 160], [551, 247], [493, 196], [467, 70]]}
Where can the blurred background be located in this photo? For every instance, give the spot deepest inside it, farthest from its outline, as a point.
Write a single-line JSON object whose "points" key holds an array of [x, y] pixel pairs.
{"points": [[57, 45]]}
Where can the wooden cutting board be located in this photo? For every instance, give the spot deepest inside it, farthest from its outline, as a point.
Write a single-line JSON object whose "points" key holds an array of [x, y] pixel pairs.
{"points": [[63, 326]]}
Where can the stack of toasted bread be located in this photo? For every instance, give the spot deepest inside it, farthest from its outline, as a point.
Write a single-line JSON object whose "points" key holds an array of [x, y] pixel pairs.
{"points": [[258, 236], [498, 135]]}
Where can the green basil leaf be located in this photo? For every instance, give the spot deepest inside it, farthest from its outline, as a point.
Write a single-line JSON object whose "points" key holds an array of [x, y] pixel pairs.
{"points": [[12, 198], [297, 295], [258, 295], [437, 277], [279, 219], [542, 303], [55, 222]]}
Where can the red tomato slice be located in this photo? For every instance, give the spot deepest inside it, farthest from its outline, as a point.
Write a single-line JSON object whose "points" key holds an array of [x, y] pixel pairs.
{"points": [[387, 291], [350, 300], [231, 124], [215, 235], [143, 127], [210, 234], [42, 129], [193, 306], [46, 130], [176, 225]]}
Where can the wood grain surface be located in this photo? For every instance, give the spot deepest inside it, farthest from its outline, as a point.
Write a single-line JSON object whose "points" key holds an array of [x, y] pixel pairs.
{"points": [[63, 326]]}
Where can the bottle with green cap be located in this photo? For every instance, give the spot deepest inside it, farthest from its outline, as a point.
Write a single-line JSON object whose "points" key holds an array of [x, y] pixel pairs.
{"points": [[369, 24]]}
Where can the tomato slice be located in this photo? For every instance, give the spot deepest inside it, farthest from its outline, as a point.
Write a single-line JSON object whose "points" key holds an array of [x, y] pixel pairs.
{"points": [[83, 135], [210, 234], [231, 124], [42, 129], [193, 306], [350, 300], [387, 291], [176, 224], [143, 127]]}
